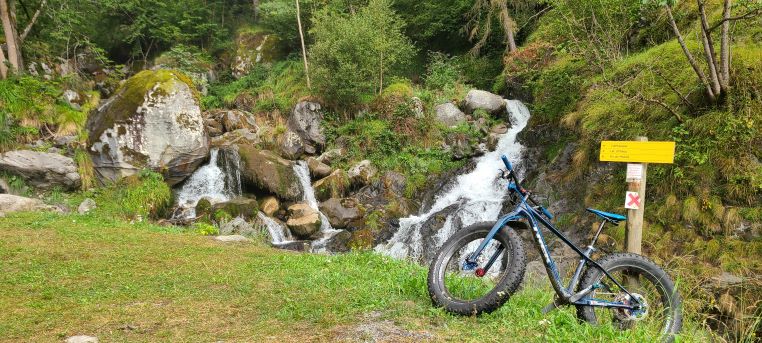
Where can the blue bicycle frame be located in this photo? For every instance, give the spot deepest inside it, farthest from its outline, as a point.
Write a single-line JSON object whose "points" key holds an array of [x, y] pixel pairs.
{"points": [[535, 216]]}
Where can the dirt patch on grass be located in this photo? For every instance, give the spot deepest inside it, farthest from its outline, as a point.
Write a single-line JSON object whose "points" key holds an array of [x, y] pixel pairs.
{"points": [[374, 328]]}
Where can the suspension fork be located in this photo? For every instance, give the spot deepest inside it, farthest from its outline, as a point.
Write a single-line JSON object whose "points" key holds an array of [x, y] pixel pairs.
{"points": [[471, 260]]}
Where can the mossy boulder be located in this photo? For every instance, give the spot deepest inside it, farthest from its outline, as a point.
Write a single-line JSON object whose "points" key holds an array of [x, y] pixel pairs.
{"points": [[343, 213], [303, 220], [253, 47], [153, 122], [245, 208], [264, 170], [335, 185]]}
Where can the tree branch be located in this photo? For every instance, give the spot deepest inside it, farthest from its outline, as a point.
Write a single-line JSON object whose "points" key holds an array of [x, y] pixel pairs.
{"points": [[29, 26], [750, 14], [691, 59]]}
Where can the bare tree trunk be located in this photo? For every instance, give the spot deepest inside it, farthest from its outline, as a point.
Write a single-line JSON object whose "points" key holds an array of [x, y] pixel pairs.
{"points": [[706, 36], [304, 51], [255, 8], [29, 26], [10, 39], [725, 47], [381, 75], [505, 19], [12, 16], [3, 67], [688, 55]]}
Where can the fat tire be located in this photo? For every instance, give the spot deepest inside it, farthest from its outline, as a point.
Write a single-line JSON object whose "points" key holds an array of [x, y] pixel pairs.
{"points": [[659, 277], [511, 279]]}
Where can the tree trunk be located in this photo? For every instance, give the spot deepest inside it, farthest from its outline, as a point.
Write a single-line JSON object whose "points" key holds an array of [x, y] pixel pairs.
{"points": [[14, 23], [3, 67], [688, 55], [304, 51], [506, 21], [9, 37], [255, 8], [725, 47], [706, 37], [32, 22]]}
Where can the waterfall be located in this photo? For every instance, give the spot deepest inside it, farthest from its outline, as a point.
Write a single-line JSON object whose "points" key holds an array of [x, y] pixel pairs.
{"points": [[278, 233], [478, 195], [219, 180], [303, 173]]}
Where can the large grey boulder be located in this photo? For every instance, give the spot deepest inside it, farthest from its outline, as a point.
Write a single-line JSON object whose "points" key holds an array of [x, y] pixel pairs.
{"points": [[153, 121], [14, 203], [267, 171], [362, 173], [41, 169], [318, 169], [305, 121], [290, 145], [449, 115], [478, 99], [342, 213]]}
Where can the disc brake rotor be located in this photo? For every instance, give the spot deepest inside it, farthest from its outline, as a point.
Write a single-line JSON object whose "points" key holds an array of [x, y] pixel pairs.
{"points": [[624, 314]]}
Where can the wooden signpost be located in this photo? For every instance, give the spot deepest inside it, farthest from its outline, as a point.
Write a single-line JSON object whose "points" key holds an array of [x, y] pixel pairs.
{"points": [[638, 154]]}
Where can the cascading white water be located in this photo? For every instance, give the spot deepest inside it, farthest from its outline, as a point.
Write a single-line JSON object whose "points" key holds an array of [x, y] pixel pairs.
{"points": [[478, 194], [210, 181], [278, 233], [303, 173]]}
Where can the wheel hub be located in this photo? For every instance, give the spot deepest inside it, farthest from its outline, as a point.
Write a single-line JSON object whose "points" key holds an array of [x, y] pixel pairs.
{"points": [[624, 314]]}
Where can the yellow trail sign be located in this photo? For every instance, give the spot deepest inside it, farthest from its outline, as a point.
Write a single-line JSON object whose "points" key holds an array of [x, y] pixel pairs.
{"points": [[637, 151]]}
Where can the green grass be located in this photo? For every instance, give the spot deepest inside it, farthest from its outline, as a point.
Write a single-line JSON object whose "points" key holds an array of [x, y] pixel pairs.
{"points": [[69, 274]]}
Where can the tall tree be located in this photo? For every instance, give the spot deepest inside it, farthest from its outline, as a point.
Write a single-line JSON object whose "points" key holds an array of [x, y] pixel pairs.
{"points": [[11, 38], [482, 17]]}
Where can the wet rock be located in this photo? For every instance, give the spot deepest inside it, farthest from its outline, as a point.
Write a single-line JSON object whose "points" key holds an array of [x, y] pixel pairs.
{"points": [[153, 121], [394, 182], [499, 129], [492, 140], [245, 208], [265, 170], [86, 206], [362, 173], [232, 239], [449, 115], [13, 203], [240, 136], [81, 339], [304, 221], [269, 206], [237, 226], [479, 99], [305, 120], [290, 145], [342, 213], [42, 170], [459, 145], [338, 242], [304, 246], [334, 185], [318, 169]]}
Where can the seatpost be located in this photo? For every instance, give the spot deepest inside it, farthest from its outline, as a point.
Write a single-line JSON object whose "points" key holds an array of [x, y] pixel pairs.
{"points": [[595, 238]]}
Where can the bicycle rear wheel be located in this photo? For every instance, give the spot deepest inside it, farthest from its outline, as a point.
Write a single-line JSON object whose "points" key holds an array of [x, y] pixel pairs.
{"points": [[471, 289], [661, 315]]}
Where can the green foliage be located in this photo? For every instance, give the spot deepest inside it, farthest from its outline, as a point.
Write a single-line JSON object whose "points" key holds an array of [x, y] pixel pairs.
{"points": [[353, 54], [141, 197], [205, 229], [442, 72], [27, 104]]}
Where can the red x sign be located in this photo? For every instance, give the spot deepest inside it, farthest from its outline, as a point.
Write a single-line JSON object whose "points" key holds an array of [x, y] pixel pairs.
{"points": [[632, 201]]}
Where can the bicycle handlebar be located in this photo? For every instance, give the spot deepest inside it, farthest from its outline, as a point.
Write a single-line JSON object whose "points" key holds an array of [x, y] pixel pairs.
{"points": [[512, 175]]}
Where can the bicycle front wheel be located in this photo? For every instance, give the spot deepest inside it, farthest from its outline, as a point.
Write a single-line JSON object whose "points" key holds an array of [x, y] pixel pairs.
{"points": [[467, 288], [660, 315]]}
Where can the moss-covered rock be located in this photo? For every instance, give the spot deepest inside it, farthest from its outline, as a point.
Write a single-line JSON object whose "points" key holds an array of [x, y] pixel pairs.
{"points": [[264, 170], [153, 121], [245, 208], [255, 46], [335, 185]]}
